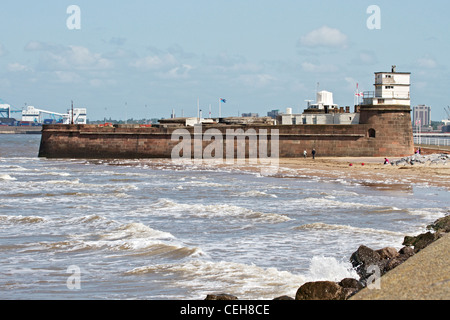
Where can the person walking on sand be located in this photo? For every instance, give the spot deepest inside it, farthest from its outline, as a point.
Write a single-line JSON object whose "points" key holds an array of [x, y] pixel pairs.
{"points": [[305, 154], [314, 153]]}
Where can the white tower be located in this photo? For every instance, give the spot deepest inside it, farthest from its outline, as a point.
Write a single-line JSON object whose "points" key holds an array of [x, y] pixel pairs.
{"points": [[391, 88]]}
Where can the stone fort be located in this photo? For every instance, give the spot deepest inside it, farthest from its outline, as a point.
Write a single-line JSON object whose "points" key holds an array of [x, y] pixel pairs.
{"points": [[380, 126]]}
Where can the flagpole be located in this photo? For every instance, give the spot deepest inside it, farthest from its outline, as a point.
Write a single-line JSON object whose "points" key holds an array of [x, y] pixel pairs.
{"points": [[220, 108]]}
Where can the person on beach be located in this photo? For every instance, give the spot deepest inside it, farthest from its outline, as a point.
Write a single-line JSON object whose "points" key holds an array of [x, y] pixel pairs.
{"points": [[314, 153], [305, 154], [386, 161]]}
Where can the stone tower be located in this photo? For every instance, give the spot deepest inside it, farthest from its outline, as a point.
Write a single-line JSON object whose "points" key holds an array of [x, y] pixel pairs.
{"points": [[387, 111]]}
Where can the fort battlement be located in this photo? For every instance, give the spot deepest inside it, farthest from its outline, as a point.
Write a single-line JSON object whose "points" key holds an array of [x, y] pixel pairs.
{"points": [[382, 131]]}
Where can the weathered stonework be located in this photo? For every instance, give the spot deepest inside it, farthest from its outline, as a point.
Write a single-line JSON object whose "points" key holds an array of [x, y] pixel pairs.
{"points": [[383, 132]]}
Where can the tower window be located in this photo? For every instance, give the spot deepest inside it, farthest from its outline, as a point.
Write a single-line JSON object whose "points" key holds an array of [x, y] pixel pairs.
{"points": [[372, 133]]}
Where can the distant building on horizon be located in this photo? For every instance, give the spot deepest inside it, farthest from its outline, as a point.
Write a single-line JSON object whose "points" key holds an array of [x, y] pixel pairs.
{"points": [[250, 115], [273, 114], [421, 116]]}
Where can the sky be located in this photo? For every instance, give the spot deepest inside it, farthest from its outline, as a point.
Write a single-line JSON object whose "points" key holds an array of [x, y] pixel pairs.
{"points": [[144, 58]]}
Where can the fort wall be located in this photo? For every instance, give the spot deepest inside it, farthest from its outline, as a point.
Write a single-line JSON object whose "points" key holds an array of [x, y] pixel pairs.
{"points": [[382, 132]]}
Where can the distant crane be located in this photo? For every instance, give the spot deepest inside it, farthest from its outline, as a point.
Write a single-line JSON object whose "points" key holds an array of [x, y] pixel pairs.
{"points": [[447, 121]]}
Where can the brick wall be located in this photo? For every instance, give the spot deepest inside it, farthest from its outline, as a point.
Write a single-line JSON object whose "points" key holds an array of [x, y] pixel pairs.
{"points": [[391, 127]]}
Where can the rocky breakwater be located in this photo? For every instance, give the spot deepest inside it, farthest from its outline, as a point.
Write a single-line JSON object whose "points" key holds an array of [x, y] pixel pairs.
{"points": [[369, 264], [418, 159]]}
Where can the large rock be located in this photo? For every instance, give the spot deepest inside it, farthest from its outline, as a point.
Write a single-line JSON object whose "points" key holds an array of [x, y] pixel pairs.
{"points": [[441, 225], [364, 258], [421, 241], [350, 283], [404, 254], [321, 290], [387, 253], [283, 298], [221, 296]]}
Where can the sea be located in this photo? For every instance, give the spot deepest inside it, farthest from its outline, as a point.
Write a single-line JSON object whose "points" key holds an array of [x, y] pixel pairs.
{"points": [[155, 230]]}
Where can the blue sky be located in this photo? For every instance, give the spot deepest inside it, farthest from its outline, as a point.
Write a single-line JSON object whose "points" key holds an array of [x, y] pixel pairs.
{"points": [[142, 58]]}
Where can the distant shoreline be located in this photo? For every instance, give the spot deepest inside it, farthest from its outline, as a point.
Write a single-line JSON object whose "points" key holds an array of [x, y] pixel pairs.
{"points": [[20, 130]]}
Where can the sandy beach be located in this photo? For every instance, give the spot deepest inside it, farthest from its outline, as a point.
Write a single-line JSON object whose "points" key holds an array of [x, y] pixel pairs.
{"points": [[371, 171]]}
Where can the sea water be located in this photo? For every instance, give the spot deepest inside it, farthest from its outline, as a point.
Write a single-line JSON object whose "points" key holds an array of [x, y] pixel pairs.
{"points": [[152, 229]]}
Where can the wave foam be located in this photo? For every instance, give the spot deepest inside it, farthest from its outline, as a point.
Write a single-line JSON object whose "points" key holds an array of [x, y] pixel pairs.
{"points": [[345, 228], [7, 177], [243, 280], [219, 210], [22, 219], [330, 269]]}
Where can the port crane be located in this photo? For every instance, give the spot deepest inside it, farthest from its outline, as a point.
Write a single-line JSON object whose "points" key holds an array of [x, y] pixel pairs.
{"points": [[447, 121]]}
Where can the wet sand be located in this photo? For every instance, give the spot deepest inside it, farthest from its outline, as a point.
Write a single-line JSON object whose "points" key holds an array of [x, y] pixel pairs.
{"points": [[371, 170]]}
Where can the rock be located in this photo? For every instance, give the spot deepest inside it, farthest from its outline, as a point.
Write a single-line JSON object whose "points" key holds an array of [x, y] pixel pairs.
{"points": [[442, 225], [387, 253], [350, 283], [321, 290], [365, 257], [221, 296], [421, 241], [350, 286], [404, 254], [283, 298], [408, 251]]}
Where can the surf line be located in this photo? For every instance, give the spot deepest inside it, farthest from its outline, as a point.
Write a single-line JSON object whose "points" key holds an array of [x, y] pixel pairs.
{"points": [[230, 147]]}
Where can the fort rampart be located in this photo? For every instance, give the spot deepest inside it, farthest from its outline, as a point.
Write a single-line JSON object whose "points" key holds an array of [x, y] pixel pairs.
{"points": [[383, 132]]}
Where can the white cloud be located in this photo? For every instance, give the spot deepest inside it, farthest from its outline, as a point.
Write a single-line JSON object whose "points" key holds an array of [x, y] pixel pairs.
{"points": [[318, 68], [324, 37], [67, 77], [57, 57], [427, 62], [365, 58], [256, 80], [155, 62], [179, 72], [17, 67]]}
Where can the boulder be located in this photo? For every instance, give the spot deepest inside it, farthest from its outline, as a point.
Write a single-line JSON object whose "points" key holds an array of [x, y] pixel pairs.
{"points": [[364, 258], [283, 298], [350, 283], [321, 290], [421, 241], [221, 296], [441, 225], [404, 254], [387, 253]]}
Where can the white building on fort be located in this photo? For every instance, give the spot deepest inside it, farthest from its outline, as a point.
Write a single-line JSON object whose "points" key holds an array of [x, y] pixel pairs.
{"points": [[391, 88]]}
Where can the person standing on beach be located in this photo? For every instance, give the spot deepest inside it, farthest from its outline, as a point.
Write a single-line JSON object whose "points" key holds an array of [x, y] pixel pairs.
{"points": [[314, 153], [305, 154]]}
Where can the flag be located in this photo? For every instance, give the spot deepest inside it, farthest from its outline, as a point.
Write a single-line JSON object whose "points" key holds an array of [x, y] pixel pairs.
{"points": [[223, 100]]}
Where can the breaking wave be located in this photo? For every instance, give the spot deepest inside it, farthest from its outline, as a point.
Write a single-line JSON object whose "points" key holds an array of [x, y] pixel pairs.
{"points": [[7, 177], [243, 280], [21, 219], [345, 228], [217, 210]]}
